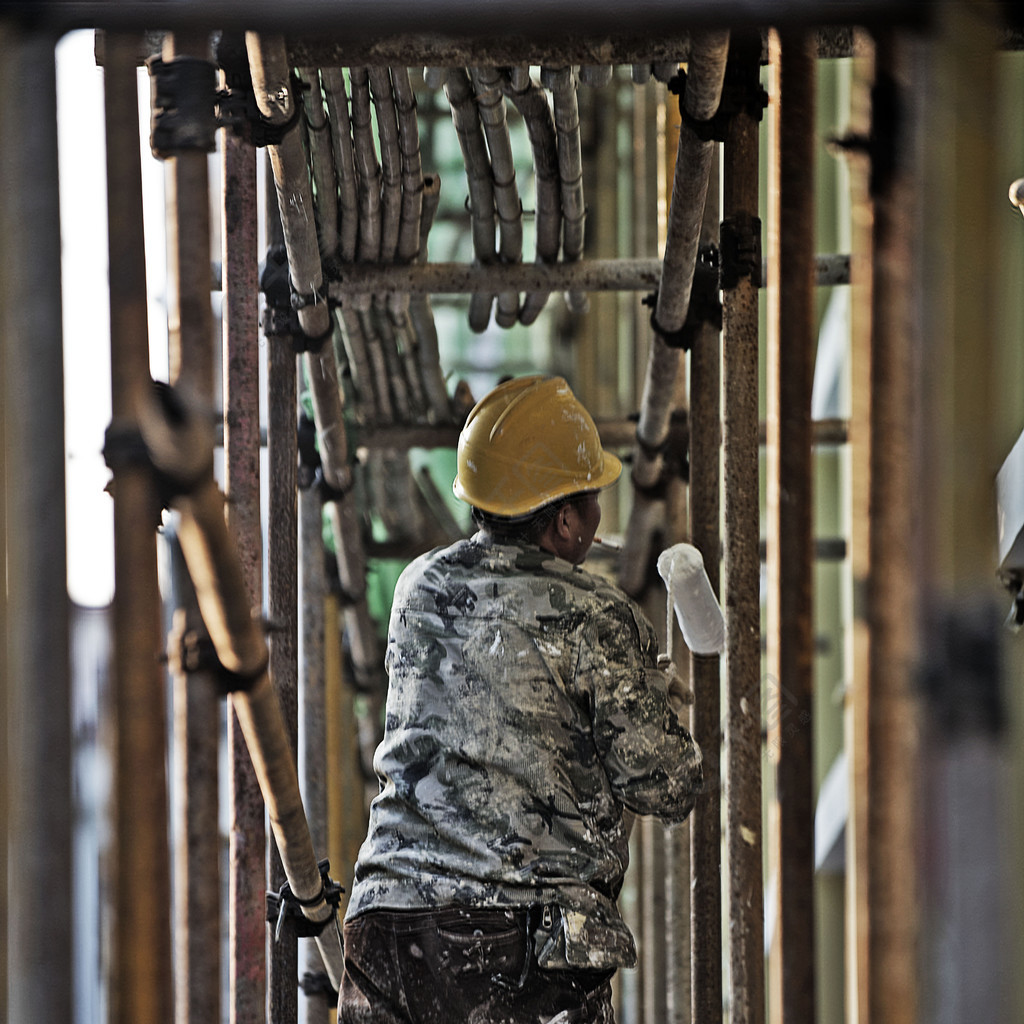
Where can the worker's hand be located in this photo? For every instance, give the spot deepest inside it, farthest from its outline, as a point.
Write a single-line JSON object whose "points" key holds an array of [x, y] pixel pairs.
{"points": [[680, 696]]}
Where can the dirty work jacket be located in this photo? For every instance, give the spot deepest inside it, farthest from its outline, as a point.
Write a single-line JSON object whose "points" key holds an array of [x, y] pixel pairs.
{"points": [[525, 712]]}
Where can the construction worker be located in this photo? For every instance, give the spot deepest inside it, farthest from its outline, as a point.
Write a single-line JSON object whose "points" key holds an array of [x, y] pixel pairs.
{"points": [[526, 724]]}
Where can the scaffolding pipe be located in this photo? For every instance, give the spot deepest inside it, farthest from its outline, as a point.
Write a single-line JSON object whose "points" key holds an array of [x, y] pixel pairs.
{"points": [[196, 721], [533, 107], [413, 184], [421, 317], [705, 671], [595, 275], [390, 159], [742, 560], [213, 563], [466, 117], [247, 831], [295, 203], [36, 942], [893, 718], [491, 105], [410, 33], [565, 105], [141, 958], [686, 213], [195, 807], [321, 164], [791, 352], [271, 76], [368, 169], [313, 588], [336, 98], [282, 608]]}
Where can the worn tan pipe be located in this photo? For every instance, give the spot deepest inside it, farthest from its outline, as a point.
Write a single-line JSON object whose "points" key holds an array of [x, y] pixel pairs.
{"points": [[271, 76], [466, 118], [268, 62], [237, 637], [689, 193]]}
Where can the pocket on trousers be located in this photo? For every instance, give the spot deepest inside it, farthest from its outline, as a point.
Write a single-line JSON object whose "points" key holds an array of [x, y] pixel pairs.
{"points": [[467, 950]]}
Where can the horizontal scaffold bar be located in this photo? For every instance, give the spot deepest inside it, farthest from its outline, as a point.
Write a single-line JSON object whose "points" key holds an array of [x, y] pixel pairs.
{"points": [[586, 275], [592, 27], [615, 433]]}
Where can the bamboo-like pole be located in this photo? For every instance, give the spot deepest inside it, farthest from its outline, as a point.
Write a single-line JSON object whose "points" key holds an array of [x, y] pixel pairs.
{"points": [[321, 164], [178, 446], [140, 960], [686, 214], [295, 205], [792, 343], [282, 574], [466, 118], [453, 32], [565, 105], [742, 562], [533, 107], [37, 763], [196, 717], [247, 954], [591, 275], [313, 586], [892, 712], [705, 672], [491, 106]]}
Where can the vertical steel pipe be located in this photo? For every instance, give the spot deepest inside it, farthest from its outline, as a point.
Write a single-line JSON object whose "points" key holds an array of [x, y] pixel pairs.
{"points": [[196, 704], [891, 715], [37, 768], [247, 840], [314, 766], [140, 955], [686, 213], [282, 606], [742, 556], [791, 349], [195, 808], [705, 672]]}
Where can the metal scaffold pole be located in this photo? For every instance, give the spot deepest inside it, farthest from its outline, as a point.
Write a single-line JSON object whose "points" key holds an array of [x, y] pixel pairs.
{"points": [[247, 956], [741, 272], [282, 574], [315, 766], [790, 553], [140, 958], [196, 704], [36, 766], [891, 714], [705, 671]]}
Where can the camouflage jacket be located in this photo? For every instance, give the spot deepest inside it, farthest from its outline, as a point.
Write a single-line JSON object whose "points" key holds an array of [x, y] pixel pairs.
{"points": [[524, 715]]}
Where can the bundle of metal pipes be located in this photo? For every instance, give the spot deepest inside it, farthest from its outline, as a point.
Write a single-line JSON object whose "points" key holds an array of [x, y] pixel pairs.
{"points": [[354, 231]]}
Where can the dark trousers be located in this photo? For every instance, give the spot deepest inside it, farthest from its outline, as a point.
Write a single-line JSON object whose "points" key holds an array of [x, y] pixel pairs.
{"points": [[460, 966]]}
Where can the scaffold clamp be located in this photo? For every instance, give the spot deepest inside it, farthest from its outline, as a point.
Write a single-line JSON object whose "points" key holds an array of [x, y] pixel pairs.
{"points": [[284, 904]]}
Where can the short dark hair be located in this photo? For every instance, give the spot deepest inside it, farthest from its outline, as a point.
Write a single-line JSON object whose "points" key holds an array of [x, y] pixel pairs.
{"points": [[528, 528]]}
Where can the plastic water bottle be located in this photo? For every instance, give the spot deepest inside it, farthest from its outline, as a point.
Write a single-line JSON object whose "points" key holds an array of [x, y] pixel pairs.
{"points": [[697, 610]]}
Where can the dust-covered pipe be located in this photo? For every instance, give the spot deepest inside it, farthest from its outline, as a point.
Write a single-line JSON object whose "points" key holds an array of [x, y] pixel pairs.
{"points": [[689, 192]]}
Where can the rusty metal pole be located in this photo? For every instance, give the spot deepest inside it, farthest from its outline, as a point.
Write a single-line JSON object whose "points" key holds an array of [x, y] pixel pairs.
{"points": [[140, 957], [37, 777], [892, 718], [791, 352], [282, 554], [314, 766], [247, 953], [705, 672], [196, 701], [740, 280]]}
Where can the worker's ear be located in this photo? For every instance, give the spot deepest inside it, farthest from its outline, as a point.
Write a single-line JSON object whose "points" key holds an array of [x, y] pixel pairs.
{"points": [[565, 521]]}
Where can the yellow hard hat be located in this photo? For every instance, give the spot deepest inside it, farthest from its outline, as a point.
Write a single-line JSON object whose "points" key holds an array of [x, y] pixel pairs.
{"points": [[526, 443]]}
